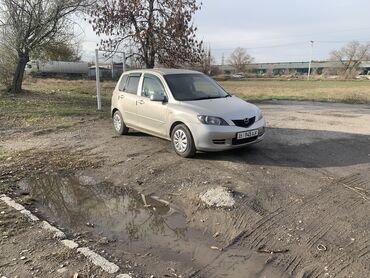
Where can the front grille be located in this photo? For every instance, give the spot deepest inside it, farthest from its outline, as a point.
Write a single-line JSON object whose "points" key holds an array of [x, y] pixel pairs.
{"points": [[241, 123], [244, 141]]}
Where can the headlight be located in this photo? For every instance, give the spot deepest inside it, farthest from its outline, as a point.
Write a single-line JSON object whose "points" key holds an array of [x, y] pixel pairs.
{"points": [[259, 115], [211, 120]]}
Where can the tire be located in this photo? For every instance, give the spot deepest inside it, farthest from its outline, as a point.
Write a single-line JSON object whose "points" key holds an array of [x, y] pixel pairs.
{"points": [[182, 141], [118, 123]]}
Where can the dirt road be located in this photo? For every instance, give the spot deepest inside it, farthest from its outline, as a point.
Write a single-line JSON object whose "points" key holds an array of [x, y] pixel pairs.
{"points": [[302, 196]]}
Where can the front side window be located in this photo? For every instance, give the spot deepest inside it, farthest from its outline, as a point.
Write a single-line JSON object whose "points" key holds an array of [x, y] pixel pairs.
{"points": [[152, 86], [194, 86], [132, 83]]}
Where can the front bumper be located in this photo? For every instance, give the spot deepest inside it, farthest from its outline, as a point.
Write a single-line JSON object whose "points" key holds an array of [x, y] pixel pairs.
{"points": [[219, 138]]}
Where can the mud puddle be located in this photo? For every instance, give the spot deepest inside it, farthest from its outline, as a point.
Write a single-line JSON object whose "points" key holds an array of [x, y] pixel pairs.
{"points": [[142, 229]]}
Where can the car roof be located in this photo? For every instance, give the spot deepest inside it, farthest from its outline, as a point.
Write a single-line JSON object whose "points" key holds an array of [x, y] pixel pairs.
{"points": [[164, 71]]}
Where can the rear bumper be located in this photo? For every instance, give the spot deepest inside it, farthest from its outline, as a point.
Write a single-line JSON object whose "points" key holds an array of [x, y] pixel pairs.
{"points": [[219, 138]]}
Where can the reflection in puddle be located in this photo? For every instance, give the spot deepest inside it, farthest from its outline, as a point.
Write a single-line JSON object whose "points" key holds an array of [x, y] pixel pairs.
{"points": [[113, 212]]}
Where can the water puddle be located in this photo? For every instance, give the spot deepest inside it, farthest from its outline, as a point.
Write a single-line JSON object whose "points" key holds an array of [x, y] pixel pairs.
{"points": [[110, 211], [135, 223]]}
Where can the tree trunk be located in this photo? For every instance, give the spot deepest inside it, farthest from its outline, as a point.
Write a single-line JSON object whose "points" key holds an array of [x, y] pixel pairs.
{"points": [[150, 63], [19, 73]]}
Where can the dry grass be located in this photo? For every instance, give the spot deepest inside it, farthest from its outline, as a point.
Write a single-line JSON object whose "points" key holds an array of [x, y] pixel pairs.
{"points": [[71, 86], [53, 103], [328, 91]]}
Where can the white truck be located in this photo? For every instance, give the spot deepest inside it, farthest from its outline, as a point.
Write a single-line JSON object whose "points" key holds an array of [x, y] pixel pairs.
{"points": [[51, 68]]}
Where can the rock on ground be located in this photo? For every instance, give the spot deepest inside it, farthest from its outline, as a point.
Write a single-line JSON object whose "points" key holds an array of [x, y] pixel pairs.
{"points": [[87, 180], [123, 276], [218, 197]]}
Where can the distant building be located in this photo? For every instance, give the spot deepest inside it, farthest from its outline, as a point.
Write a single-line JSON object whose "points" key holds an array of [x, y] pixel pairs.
{"points": [[292, 67]]}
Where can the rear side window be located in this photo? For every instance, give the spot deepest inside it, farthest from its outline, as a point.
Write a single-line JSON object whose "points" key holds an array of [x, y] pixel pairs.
{"points": [[122, 84], [132, 83]]}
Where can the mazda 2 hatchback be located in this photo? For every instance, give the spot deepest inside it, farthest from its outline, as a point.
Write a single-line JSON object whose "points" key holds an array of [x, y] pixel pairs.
{"points": [[186, 107]]}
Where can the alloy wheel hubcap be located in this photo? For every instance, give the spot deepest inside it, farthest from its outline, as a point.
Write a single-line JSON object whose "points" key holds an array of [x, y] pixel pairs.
{"points": [[117, 122], [180, 141]]}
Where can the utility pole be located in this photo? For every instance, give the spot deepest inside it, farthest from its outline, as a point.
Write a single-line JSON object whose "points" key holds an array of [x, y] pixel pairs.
{"points": [[97, 72], [310, 63], [124, 62], [112, 68], [131, 59], [209, 62]]}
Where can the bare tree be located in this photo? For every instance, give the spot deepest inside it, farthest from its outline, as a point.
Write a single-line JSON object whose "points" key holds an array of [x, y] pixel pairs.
{"points": [[157, 30], [350, 57], [239, 59], [68, 51], [206, 61], [8, 59], [32, 25]]}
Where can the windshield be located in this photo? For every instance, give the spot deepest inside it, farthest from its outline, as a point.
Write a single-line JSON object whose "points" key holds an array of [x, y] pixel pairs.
{"points": [[194, 86]]}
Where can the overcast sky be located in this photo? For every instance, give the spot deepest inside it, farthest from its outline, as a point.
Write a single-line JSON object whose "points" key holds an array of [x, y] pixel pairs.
{"points": [[274, 30]]}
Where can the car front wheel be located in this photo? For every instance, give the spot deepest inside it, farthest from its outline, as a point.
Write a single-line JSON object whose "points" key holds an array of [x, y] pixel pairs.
{"points": [[119, 124], [182, 141]]}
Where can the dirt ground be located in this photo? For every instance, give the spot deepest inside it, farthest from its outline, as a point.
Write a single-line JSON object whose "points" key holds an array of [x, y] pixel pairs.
{"points": [[301, 199]]}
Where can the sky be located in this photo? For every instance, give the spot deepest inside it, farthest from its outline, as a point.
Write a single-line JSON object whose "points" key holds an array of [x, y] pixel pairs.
{"points": [[272, 30]]}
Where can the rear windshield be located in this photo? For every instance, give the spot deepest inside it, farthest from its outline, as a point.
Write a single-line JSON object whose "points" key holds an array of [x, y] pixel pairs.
{"points": [[194, 86]]}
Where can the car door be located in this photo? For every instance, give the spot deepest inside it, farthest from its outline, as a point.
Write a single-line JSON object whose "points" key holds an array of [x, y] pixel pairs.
{"points": [[152, 115], [128, 97]]}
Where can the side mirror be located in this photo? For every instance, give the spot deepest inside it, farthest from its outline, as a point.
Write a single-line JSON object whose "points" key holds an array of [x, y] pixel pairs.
{"points": [[157, 97]]}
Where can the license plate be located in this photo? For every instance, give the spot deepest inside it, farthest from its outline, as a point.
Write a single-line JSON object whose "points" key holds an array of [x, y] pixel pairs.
{"points": [[247, 134]]}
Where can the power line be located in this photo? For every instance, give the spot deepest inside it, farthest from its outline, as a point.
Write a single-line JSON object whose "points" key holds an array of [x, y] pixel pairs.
{"points": [[288, 44], [278, 45], [260, 47], [325, 33], [342, 41]]}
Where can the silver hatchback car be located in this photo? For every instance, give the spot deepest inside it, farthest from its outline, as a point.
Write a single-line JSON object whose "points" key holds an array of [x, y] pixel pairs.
{"points": [[186, 107]]}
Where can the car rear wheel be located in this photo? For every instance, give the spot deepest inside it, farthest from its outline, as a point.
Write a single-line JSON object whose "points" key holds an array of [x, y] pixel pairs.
{"points": [[119, 124], [182, 141]]}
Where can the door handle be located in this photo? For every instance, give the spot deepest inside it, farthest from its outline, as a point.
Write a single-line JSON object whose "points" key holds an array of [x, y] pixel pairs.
{"points": [[121, 96], [140, 101]]}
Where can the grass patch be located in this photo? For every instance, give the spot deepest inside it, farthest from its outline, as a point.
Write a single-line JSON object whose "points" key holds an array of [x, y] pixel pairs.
{"points": [[356, 92]]}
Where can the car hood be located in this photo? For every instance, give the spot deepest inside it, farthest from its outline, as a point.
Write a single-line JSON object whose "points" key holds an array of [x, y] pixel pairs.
{"points": [[230, 108]]}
